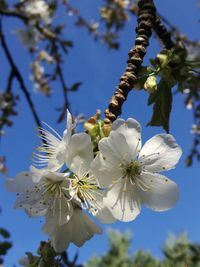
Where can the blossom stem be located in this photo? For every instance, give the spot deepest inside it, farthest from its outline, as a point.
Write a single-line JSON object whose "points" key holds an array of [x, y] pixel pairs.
{"points": [[163, 34], [18, 76]]}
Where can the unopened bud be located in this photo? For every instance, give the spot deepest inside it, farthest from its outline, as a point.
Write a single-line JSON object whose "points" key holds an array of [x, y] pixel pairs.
{"points": [[106, 129], [150, 84], [92, 128], [163, 59]]}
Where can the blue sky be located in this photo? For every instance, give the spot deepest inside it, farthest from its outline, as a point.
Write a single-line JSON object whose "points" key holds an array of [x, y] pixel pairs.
{"points": [[99, 69]]}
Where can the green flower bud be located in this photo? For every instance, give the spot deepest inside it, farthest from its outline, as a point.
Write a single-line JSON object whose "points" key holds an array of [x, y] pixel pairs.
{"points": [[92, 126], [163, 59], [151, 84]]}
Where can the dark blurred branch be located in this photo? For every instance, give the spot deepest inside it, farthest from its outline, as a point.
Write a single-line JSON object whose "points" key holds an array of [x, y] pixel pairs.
{"points": [[168, 23], [64, 86], [163, 33], [43, 30], [13, 13], [10, 80], [17, 74]]}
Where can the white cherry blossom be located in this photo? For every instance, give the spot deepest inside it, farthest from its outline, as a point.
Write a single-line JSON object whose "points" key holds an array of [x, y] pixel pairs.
{"points": [[84, 188], [42, 191], [28, 36], [131, 174], [52, 151], [37, 9], [60, 197], [65, 221]]}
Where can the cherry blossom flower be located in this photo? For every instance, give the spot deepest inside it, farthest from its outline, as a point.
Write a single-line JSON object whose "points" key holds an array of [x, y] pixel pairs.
{"points": [[54, 147], [60, 197], [28, 36], [84, 188], [37, 9], [131, 174], [195, 129], [45, 193], [42, 191]]}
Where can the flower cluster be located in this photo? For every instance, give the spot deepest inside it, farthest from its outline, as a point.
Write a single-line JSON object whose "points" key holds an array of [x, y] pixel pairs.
{"points": [[37, 9], [111, 183], [37, 12]]}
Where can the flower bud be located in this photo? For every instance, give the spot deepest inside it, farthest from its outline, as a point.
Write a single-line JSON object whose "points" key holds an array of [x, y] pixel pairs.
{"points": [[92, 126], [163, 59], [150, 84], [106, 129]]}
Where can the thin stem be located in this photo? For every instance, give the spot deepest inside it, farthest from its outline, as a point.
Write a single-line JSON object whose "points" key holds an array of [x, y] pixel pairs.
{"points": [[167, 22], [18, 76], [13, 13], [163, 33], [64, 86], [10, 80]]}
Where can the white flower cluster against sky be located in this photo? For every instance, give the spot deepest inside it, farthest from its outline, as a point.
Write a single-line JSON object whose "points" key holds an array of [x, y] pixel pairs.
{"points": [[60, 186], [111, 183]]}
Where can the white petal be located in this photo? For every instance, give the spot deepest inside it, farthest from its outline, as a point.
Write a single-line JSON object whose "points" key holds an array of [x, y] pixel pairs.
{"points": [[56, 162], [131, 130], [55, 176], [123, 201], [32, 203], [69, 125], [99, 210], [21, 183], [163, 193], [79, 229], [62, 211], [62, 237], [83, 228], [160, 153], [36, 174], [115, 148], [104, 171], [49, 228], [105, 216], [80, 153], [59, 215], [41, 174]]}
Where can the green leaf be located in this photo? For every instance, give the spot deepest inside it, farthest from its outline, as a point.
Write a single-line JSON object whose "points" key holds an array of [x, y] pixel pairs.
{"points": [[154, 96], [162, 107], [75, 86], [4, 233], [4, 246]]}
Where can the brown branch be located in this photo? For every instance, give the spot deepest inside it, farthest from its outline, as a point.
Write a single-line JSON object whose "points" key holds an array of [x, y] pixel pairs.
{"points": [[167, 22], [18, 76], [59, 73], [10, 80], [13, 13], [165, 35], [64, 86], [146, 18]]}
